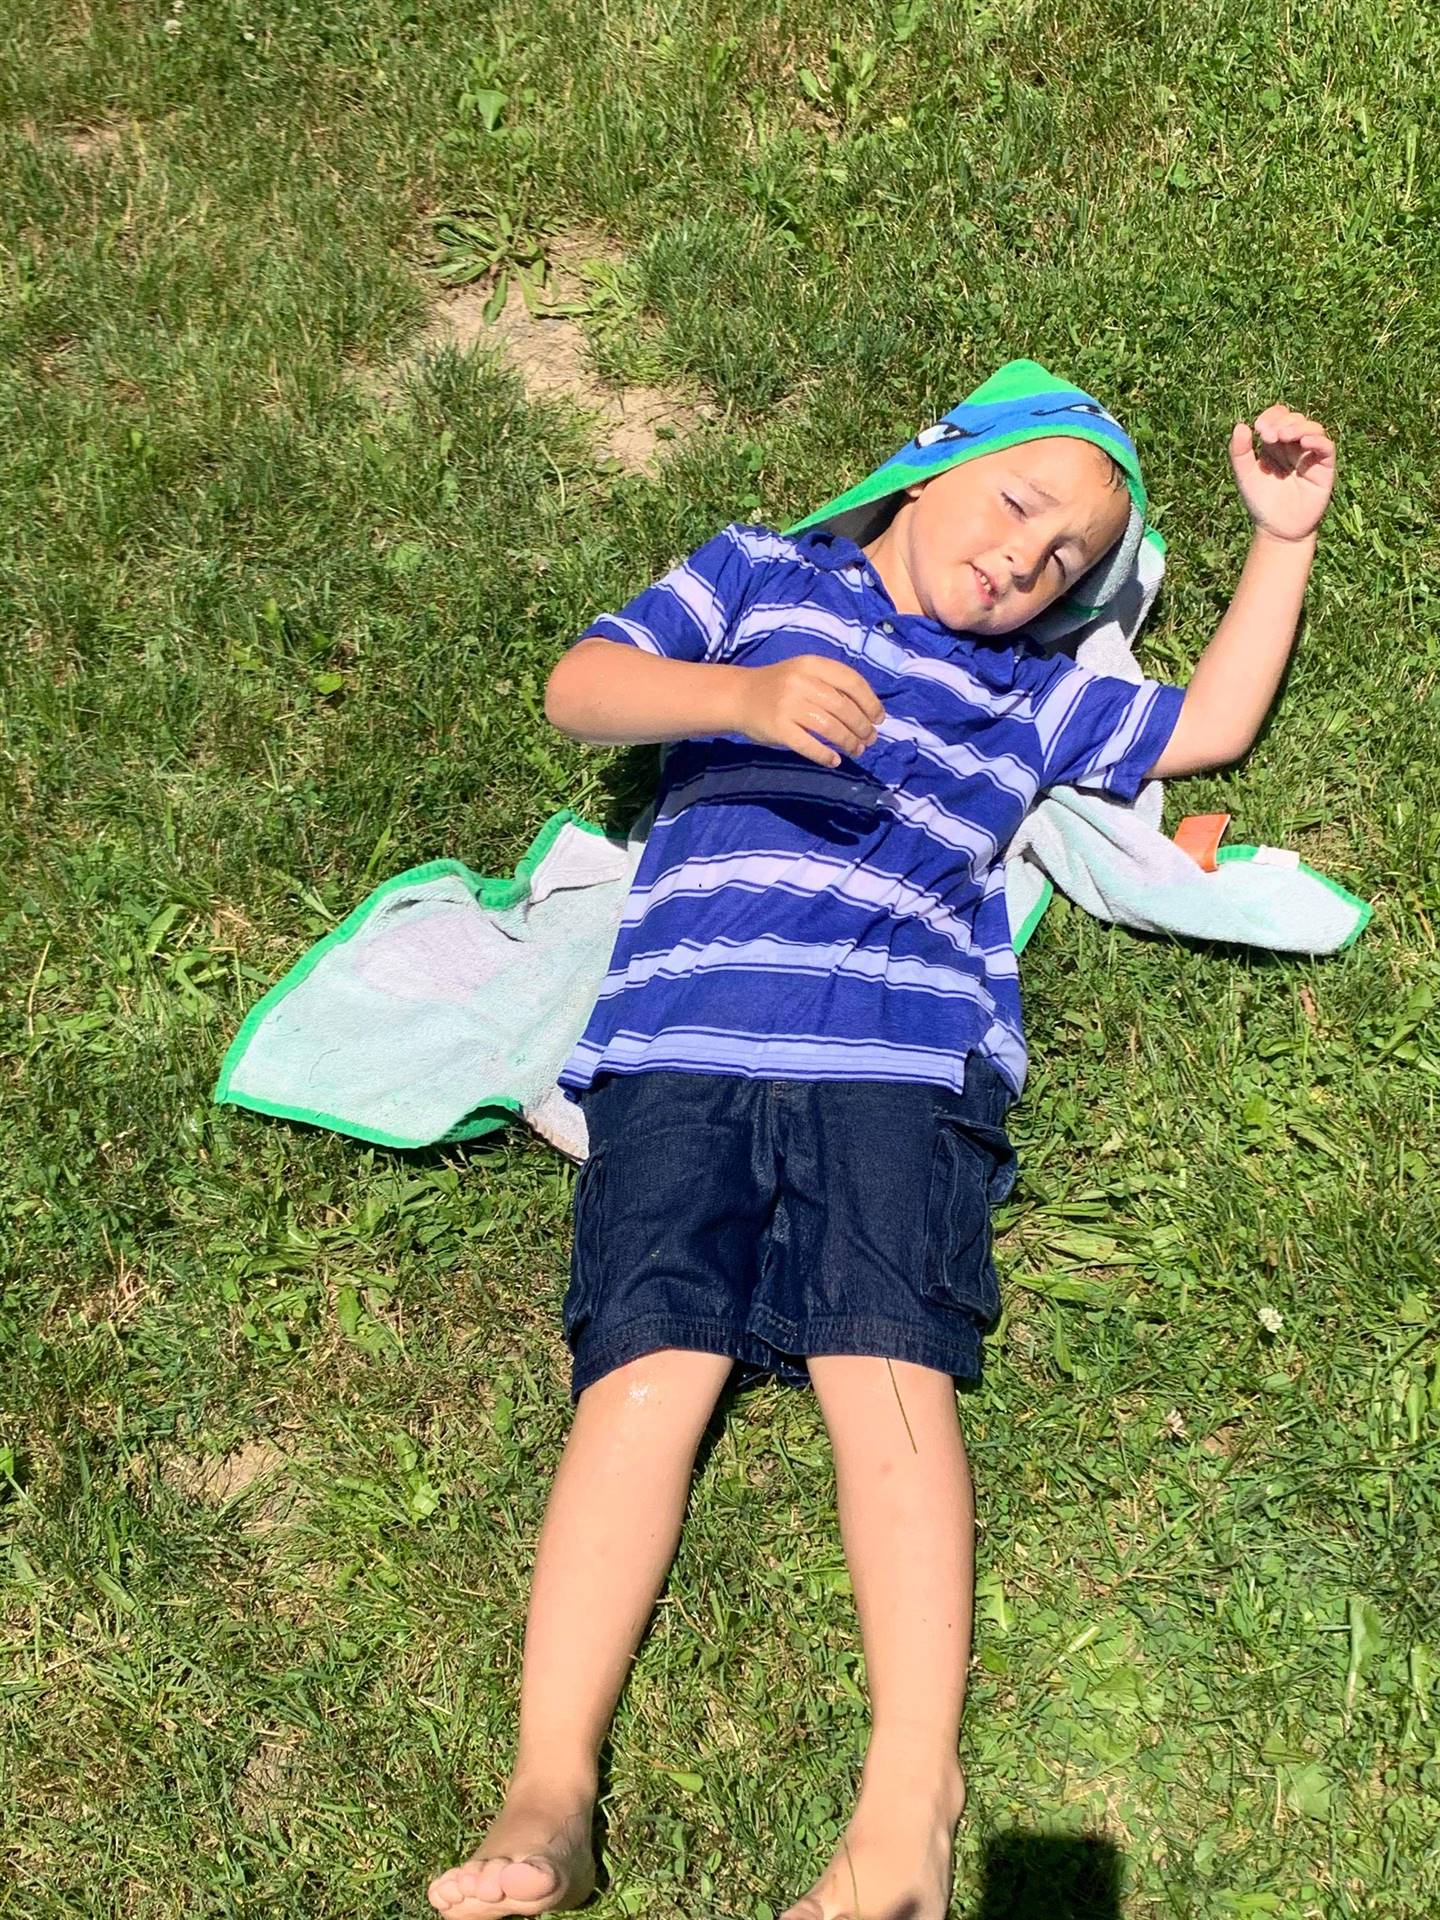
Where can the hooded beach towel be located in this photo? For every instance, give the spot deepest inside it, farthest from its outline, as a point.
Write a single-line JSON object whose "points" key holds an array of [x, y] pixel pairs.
{"points": [[1021, 402], [447, 1002]]}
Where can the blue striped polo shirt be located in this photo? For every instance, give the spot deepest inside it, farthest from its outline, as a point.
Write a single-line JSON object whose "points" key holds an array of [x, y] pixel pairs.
{"points": [[799, 922]]}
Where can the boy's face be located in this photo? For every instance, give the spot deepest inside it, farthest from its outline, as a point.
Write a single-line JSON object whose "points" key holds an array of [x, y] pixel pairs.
{"points": [[987, 545]]}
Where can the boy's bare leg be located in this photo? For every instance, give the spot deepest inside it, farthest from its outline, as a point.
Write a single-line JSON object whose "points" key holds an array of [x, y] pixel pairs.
{"points": [[907, 1519], [610, 1532]]}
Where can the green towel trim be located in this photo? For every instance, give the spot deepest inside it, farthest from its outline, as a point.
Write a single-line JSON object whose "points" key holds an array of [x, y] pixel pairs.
{"points": [[885, 481], [1363, 908], [1035, 915], [492, 891]]}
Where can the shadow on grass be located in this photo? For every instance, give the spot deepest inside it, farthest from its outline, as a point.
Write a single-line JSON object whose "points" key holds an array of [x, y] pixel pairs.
{"points": [[627, 785], [1048, 1876]]}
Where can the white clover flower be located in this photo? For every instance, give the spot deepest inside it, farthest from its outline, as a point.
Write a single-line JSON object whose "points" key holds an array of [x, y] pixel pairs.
{"points": [[1271, 1319]]}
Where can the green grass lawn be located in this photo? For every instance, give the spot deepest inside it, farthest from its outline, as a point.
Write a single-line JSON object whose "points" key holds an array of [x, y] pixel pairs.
{"points": [[268, 640]]}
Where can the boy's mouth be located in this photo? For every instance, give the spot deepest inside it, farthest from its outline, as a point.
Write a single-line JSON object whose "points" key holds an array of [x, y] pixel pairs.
{"points": [[985, 584]]}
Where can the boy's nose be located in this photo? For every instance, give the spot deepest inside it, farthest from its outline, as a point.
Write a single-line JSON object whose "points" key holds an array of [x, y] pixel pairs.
{"points": [[1024, 564]]}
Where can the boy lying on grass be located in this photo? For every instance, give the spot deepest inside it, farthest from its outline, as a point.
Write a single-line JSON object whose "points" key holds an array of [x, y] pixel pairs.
{"points": [[796, 1076]]}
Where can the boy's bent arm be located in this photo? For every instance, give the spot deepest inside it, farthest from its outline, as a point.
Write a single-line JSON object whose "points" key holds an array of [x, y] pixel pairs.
{"points": [[1286, 490], [610, 694]]}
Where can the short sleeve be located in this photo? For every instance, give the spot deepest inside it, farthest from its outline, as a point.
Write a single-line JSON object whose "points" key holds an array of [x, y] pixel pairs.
{"points": [[1101, 732], [688, 614]]}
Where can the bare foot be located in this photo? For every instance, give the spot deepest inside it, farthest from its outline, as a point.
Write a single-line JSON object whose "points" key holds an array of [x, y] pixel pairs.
{"points": [[535, 1858], [896, 1859]]}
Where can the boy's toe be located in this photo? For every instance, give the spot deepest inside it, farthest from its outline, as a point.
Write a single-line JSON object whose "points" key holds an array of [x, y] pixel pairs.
{"points": [[442, 1891], [533, 1878], [485, 1880], [455, 1892], [493, 1882]]}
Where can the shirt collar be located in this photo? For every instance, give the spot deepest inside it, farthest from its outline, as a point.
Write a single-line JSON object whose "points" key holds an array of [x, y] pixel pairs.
{"points": [[833, 552]]}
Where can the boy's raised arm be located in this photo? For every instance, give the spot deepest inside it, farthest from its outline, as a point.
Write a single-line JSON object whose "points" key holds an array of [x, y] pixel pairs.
{"points": [[1286, 489]]}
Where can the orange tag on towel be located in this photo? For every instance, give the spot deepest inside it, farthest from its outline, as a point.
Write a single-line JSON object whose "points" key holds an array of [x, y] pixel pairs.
{"points": [[1199, 835]]}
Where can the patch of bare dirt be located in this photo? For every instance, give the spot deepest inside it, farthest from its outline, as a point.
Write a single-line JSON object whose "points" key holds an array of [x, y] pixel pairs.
{"points": [[92, 143], [552, 357], [255, 1472], [261, 1782]]}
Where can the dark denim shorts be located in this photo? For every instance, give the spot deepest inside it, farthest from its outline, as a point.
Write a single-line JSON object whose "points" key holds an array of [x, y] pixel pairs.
{"points": [[774, 1219]]}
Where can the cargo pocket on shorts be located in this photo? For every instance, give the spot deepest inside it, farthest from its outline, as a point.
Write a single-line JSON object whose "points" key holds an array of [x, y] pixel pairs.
{"points": [[585, 1244], [972, 1170]]}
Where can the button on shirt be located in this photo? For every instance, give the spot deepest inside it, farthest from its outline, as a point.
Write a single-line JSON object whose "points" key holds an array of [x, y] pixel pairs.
{"points": [[793, 921]]}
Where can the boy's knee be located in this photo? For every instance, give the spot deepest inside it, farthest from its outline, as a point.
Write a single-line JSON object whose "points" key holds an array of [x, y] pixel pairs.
{"points": [[672, 1382]]}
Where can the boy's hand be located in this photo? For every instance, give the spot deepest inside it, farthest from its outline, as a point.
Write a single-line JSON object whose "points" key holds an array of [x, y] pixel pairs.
{"points": [[789, 704], [1286, 486]]}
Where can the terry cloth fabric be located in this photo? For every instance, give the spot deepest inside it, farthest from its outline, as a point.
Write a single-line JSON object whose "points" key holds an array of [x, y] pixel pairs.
{"points": [[448, 1002], [1118, 868], [844, 923], [445, 1003]]}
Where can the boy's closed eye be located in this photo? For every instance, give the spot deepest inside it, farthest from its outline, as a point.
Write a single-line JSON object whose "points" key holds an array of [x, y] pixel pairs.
{"points": [[1023, 513]]}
